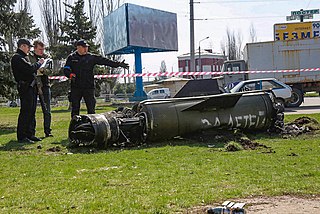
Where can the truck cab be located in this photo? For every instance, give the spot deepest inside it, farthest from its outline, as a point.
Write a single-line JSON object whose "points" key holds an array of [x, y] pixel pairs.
{"points": [[234, 66]]}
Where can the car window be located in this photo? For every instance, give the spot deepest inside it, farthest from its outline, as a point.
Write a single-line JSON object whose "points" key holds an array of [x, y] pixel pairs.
{"points": [[155, 92], [162, 91], [267, 85], [236, 67], [249, 86], [233, 67]]}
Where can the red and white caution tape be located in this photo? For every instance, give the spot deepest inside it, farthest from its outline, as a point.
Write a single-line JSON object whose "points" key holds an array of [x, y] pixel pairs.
{"points": [[63, 78]]}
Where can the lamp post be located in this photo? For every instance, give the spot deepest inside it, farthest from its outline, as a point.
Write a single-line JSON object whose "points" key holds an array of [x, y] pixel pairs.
{"points": [[200, 68], [192, 52]]}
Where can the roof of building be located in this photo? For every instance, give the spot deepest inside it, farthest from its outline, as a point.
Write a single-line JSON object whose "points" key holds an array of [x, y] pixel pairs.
{"points": [[203, 53], [174, 79]]}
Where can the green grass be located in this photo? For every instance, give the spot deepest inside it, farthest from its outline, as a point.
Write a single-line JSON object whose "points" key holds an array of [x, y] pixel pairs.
{"points": [[311, 94], [165, 177]]}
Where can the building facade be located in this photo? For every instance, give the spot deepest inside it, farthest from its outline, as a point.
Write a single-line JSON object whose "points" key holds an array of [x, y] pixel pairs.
{"points": [[206, 61]]}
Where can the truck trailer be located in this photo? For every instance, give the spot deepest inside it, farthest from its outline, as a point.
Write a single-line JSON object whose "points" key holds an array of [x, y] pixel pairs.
{"points": [[280, 56]]}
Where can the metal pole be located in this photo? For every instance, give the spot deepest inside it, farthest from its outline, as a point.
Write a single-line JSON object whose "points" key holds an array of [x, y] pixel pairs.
{"points": [[199, 60], [200, 67], [192, 58], [139, 94]]}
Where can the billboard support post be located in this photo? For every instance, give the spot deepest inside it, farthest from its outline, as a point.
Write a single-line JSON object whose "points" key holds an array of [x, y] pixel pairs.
{"points": [[138, 68]]}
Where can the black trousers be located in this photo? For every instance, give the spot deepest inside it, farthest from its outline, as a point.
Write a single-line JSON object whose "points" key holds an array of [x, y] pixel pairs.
{"points": [[46, 110], [77, 94], [28, 102]]}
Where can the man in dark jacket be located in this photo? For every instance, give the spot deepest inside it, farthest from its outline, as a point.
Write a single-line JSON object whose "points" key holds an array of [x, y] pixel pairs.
{"points": [[79, 68], [43, 86], [24, 73]]}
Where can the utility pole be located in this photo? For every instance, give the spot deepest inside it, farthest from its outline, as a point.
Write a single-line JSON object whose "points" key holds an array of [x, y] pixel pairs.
{"points": [[192, 67], [199, 63]]}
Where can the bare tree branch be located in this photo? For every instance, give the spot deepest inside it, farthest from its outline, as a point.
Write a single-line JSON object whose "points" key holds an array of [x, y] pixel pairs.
{"points": [[253, 33]]}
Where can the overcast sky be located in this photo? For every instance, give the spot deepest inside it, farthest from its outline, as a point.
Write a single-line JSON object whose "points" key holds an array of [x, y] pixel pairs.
{"points": [[237, 15]]}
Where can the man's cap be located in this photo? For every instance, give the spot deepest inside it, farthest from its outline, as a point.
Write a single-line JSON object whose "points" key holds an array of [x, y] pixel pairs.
{"points": [[24, 42], [82, 42]]}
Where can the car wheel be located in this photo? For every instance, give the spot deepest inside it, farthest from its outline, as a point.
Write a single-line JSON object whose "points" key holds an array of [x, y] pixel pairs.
{"points": [[296, 98]]}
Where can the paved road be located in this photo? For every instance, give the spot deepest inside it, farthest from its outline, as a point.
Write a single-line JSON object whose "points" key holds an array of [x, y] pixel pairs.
{"points": [[311, 105]]}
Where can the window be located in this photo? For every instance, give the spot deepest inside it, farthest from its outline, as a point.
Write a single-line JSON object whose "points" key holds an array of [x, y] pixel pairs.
{"points": [[233, 67], [268, 85], [249, 86], [236, 67]]}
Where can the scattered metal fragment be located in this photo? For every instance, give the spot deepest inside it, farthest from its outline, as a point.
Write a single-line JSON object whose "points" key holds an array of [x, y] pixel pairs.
{"points": [[228, 207], [299, 126]]}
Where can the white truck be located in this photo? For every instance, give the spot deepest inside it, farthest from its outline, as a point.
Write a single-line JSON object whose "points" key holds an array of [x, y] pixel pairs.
{"points": [[280, 55]]}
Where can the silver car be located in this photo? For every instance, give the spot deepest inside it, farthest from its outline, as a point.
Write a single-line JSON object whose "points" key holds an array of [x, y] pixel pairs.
{"points": [[282, 91]]}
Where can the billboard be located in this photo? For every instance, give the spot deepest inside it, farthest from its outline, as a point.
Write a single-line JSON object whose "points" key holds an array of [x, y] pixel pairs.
{"points": [[299, 30], [132, 26]]}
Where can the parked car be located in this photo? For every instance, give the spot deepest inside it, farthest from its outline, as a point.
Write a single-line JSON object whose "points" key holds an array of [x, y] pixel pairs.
{"points": [[159, 93], [13, 103], [282, 91]]}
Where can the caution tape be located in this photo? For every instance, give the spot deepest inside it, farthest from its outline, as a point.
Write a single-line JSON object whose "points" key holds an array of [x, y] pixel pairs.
{"points": [[161, 74]]}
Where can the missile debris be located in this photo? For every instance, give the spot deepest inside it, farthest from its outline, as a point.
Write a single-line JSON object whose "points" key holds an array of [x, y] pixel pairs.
{"points": [[157, 120]]}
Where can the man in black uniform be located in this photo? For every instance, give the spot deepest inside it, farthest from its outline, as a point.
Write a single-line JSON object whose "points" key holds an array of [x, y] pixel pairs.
{"points": [[79, 68], [43, 86], [24, 74]]}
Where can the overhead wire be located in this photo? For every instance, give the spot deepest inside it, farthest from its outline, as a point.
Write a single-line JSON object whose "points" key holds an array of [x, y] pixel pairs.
{"points": [[308, 4], [246, 1], [248, 17]]}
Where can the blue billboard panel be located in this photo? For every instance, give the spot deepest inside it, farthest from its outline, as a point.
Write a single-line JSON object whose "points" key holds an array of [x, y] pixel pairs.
{"points": [[132, 26]]}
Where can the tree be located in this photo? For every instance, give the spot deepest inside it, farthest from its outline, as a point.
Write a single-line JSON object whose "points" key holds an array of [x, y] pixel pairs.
{"points": [[75, 26], [7, 83], [26, 27], [98, 9], [232, 45], [163, 69], [51, 13], [239, 46], [9, 34], [253, 33]]}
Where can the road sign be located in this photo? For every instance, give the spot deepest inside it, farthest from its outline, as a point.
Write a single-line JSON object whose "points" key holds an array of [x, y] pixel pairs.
{"points": [[295, 17], [304, 12]]}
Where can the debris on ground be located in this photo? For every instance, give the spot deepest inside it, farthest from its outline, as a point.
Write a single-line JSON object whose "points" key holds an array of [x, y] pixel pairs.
{"points": [[233, 146], [234, 140], [54, 149], [300, 126], [264, 204], [228, 207]]}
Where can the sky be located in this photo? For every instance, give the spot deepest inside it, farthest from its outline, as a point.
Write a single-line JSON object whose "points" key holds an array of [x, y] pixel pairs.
{"points": [[213, 17]]}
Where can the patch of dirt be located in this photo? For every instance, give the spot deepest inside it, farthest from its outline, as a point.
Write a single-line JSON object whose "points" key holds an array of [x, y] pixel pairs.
{"points": [[272, 205], [54, 149], [224, 137]]}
